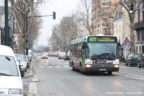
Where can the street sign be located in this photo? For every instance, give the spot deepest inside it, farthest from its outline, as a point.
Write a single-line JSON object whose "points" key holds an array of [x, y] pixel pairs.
{"points": [[126, 46]]}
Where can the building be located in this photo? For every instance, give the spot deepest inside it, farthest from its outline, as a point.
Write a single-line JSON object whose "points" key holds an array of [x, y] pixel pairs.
{"points": [[122, 30], [102, 16], [139, 28], [1, 24]]}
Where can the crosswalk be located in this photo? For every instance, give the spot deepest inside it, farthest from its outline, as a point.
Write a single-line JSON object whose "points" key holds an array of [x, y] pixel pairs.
{"points": [[55, 67]]}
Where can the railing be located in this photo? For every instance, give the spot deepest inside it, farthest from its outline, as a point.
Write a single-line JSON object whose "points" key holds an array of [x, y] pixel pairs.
{"points": [[106, 3], [139, 25]]}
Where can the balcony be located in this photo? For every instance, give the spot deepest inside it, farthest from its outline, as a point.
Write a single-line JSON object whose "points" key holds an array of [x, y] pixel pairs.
{"points": [[106, 3], [139, 25]]}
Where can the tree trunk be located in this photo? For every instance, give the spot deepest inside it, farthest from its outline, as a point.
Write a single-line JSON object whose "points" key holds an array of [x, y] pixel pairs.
{"points": [[132, 33]]}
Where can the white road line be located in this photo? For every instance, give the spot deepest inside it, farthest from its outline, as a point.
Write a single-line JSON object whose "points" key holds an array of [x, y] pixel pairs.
{"points": [[33, 88], [132, 75]]}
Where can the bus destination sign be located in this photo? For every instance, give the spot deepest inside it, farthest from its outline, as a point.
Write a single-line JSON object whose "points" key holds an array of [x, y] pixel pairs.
{"points": [[102, 39]]}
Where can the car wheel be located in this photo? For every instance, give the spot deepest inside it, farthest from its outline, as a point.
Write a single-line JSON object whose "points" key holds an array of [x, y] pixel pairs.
{"points": [[129, 65], [138, 65], [109, 72], [22, 73], [126, 64]]}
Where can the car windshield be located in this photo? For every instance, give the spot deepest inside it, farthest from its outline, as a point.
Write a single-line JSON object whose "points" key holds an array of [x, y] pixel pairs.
{"points": [[102, 50], [21, 58], [136, 56], [44, 54], [8, 66]]}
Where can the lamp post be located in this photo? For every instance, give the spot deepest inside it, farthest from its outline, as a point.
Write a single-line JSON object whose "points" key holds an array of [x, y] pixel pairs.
{"points": [[26, 28], [6, 24]]}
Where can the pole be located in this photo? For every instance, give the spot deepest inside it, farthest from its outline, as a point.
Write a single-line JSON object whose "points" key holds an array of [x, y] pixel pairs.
{"points": [[27, 47], [6, 24]]}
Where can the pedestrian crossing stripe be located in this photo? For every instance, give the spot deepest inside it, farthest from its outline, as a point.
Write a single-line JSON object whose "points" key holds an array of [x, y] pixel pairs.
{"points": [[55, 67]]}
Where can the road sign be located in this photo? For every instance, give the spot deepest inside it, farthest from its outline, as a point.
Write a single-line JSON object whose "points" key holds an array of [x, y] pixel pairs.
{"points": [[126, 46]]}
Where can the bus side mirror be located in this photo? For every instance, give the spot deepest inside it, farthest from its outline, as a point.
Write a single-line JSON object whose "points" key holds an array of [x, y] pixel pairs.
{"points": [[84, 46]]}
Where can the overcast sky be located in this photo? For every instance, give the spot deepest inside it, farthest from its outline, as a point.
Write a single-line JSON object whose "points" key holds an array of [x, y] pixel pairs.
{"points": [[62, 8]]}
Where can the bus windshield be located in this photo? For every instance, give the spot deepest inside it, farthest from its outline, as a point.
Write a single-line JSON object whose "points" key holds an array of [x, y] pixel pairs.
{"points": [[102, 50]]}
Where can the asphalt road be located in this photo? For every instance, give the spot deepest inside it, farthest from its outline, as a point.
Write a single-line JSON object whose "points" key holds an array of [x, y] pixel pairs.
{"points": [[57, 79]]}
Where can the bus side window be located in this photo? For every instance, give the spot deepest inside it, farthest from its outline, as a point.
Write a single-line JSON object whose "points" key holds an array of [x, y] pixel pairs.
{"points": [[79, 53]]}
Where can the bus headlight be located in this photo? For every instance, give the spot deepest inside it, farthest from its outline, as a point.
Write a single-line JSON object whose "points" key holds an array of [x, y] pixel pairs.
{"points": [[88, 65], [88, 61], [116, 65]]}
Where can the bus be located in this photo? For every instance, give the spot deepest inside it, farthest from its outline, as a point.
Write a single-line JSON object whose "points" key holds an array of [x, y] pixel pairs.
{"points": [[95, 53]]}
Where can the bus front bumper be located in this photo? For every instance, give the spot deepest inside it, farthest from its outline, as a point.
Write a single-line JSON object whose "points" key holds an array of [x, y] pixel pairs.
{"points": [[102, 67]]}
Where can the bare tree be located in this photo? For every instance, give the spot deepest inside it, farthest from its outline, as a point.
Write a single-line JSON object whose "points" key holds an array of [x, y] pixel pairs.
{"points": [[85, 13], [127, 4], [23, 9], [63, 33]]}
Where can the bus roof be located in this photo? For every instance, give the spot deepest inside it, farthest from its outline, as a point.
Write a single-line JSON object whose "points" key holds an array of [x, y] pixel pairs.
{"points": [[80, 40]]}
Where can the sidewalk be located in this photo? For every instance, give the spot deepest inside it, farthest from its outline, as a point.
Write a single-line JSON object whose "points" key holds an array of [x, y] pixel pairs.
{"points": [[30, 81]]}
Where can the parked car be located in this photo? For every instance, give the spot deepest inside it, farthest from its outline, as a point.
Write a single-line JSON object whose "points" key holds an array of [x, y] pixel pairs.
{"points": [[10, 77], [133, 59], [28, 61], [21, 59], [67, 56], [30, 54], [61, 55], [44, 55], [141, 62]]}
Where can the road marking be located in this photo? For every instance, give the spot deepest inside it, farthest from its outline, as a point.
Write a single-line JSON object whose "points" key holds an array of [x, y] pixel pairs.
{"points": [[33, 88], [131, 75], [67, 67], [35, 78]]}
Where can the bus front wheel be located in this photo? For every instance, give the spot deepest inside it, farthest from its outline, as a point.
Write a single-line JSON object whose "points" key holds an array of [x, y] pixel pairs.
{"points": [[73, 69]]}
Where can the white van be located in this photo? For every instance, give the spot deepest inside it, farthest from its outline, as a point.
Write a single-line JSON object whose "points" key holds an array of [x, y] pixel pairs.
{"points": [[10, 77]]}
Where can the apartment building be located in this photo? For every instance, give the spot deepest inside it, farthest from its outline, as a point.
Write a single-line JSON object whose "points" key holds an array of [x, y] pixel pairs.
{"points": [[103, 15], [122, 30], [139, 27]]}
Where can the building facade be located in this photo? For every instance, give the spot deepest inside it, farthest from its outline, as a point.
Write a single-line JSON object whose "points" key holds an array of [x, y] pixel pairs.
{"points": [[139, 28], [103, 15], [122, 30]]}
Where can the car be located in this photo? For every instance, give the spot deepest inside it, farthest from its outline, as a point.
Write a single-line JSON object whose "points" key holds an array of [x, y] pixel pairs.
{"points": [[133, 59], [61, 55], [28, 61], [22, 60], [141, 62], [44, 55], [67, 56], [30, 54], [10, 77]]}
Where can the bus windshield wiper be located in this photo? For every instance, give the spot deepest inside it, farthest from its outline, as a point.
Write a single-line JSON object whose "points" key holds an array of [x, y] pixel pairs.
{"points": [[97, 56], [110, 56], [94, 56], [4, 74]]}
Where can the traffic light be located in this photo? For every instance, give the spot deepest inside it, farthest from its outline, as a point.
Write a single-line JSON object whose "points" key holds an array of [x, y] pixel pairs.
{"points": [[131, 11], [54, 15]]}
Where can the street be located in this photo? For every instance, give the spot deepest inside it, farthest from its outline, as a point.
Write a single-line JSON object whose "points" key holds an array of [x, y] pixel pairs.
{"points": [[55, 78]]}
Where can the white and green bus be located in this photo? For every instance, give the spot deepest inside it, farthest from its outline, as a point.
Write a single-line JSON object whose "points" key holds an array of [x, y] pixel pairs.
{"points": [[95, 53]]}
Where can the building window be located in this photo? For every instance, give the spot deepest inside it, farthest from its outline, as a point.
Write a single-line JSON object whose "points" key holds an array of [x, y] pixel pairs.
{"points": [[142, 35], [138, 36], [105, 2], [107, 10]]}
